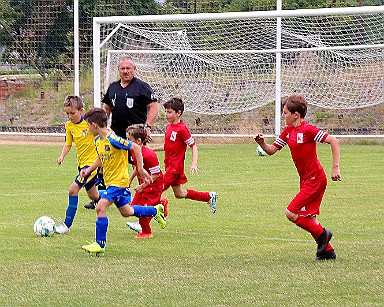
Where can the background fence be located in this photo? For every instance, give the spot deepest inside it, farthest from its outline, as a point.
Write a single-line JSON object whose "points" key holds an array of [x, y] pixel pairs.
{"points": [[36, 65]]}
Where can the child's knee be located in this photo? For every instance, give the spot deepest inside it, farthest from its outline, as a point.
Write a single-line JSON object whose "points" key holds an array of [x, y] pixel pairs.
{"points": [[101, 209], [126, 210], [181, 194], [290, 216]]}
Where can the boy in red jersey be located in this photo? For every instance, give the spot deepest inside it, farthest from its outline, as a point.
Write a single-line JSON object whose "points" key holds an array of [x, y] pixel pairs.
{"points": [[177, 138], [147, 194], [301, 138]]}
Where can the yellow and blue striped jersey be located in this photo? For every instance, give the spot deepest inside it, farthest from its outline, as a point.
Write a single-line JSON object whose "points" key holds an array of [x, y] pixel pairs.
{"points": [[80, 135], [113, 153]]}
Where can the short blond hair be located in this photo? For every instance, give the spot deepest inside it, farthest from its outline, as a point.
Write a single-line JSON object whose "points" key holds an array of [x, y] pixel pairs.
{"points": [[73, 101], [137, 131]]}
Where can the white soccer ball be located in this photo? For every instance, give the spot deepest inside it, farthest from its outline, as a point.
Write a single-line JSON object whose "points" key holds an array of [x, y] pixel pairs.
{"points": [[260, 151], [44, 227]]}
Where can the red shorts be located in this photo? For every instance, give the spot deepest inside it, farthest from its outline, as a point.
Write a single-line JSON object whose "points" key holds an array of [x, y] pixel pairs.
{"points": [[307, 201], [173, 179], [148, 197]]}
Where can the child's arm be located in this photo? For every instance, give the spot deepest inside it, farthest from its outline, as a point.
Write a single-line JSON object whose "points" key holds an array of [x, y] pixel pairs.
{"points": [[119, 142], [269, 149], [159, 148], [195, 156], [64, 152], [335, 146], [139, 188], [139, 161], [133, 175]]}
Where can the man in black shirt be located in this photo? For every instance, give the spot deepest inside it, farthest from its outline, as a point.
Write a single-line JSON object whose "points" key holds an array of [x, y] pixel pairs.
{"points": [[130, 100]]}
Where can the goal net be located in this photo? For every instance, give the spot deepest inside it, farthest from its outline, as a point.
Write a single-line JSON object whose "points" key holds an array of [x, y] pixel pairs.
{"points": [[235, 62]]}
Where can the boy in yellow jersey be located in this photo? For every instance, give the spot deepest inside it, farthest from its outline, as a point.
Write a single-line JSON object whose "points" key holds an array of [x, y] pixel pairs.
{"points": [[112, 153], [77, 132]]}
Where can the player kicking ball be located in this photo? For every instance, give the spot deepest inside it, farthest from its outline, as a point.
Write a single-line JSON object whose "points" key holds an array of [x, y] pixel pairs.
{"points": [[113, 157], [301, 139]]}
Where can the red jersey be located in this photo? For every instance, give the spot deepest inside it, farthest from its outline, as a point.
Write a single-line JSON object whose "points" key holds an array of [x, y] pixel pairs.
{"points": [[152, 166], [302, 143], [177, 137]]}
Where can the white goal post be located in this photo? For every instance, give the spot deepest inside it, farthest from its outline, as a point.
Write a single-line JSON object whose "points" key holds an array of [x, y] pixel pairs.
{"points": [[224, 63]]}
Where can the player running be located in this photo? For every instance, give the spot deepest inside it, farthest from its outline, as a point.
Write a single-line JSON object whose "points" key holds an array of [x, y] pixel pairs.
{"points": [[301, 138], [177, 138]]}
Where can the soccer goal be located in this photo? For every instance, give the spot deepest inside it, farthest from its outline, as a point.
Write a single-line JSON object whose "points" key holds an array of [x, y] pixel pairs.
{"points": [[228, 63]]}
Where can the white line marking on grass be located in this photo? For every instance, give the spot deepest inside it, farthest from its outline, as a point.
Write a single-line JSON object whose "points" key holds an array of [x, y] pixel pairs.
{"points": [[184, 233], [26, 193], [194, 233]]}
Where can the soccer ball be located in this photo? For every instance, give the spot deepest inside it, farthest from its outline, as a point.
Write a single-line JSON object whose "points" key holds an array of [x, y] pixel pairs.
{"points": [[44, 227], [260, 151]]}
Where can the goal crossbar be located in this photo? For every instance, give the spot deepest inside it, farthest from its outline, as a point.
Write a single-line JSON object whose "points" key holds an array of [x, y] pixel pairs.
{"points": [[242, 15]]}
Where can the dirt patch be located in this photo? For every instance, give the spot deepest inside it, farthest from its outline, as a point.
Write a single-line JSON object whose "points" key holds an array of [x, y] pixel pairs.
{"points": [[42, 140]]}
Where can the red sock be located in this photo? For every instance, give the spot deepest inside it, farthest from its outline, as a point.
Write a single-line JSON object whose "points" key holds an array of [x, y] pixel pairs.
{"points": [[309, 225], [200, 196], [145, 224]]}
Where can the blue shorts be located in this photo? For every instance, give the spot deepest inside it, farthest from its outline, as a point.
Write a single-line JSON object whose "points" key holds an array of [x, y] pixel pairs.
{"points": [[89, 181], [120, 196]]}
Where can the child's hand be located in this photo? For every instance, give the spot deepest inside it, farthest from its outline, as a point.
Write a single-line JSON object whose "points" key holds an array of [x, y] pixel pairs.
{"points": [[84, 172], [148, 138], [145, 176], [140, 188], [60, 160], [193, 169], [335, 175], [259, 138]]}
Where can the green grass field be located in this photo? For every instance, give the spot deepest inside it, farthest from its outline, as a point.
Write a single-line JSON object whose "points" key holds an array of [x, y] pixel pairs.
{"points": [[247, 254]]}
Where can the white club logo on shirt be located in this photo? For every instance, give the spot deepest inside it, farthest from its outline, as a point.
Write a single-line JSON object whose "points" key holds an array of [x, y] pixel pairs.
{"points": [[129, 102], [173, 136], [299, 138]]}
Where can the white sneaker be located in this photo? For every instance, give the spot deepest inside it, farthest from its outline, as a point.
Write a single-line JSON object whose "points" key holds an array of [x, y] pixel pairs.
{"points": [[213, 200], [135, 226], [62, 229]]}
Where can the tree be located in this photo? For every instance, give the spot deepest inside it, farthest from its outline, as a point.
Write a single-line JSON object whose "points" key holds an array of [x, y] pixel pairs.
{"points": [[101, 8]]}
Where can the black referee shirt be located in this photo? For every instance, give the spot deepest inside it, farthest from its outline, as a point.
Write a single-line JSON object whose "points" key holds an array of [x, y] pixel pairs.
{"points": [[129, 105]]}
